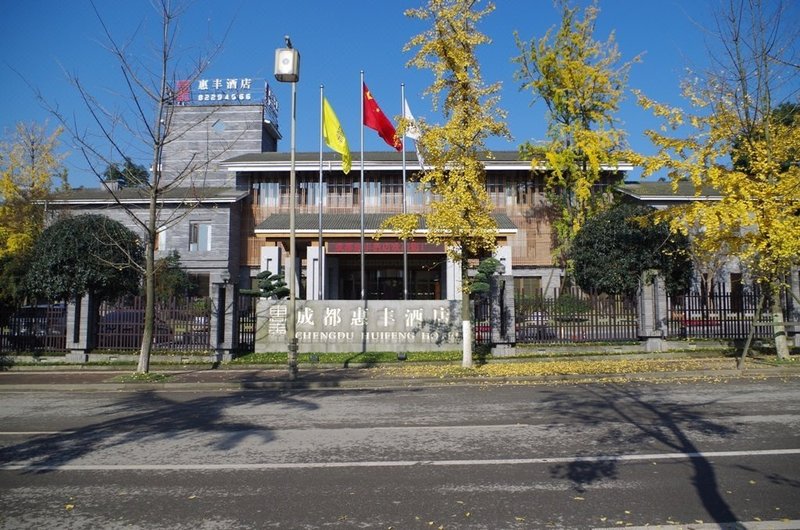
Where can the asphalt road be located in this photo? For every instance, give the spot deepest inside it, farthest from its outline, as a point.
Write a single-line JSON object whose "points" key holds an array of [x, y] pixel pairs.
{"points": [[565, 456]]}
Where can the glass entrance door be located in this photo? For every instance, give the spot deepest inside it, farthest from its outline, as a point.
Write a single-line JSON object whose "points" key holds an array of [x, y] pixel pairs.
{"points": [[385, 278]]}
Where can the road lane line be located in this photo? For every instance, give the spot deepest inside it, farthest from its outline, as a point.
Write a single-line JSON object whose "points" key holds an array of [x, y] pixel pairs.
{"points": [[738, 525], [389, 463], [34, 433]]}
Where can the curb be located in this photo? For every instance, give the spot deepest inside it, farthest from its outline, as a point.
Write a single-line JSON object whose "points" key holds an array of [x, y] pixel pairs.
{"points": [[397, 383]]}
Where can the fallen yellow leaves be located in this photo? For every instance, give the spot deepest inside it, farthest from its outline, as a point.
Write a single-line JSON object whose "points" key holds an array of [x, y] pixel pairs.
{"points": [[568, 367]]}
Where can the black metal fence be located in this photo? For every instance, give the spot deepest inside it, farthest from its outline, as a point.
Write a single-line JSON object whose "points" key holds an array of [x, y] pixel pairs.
{"points": [[34, 329], [722, 314], [180, 325], [561, 317], [246, 341], [573, 315], [482, 320]]}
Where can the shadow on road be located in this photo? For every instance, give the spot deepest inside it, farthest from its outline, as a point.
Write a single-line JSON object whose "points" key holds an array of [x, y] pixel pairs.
{"points": [[670, 424], [151, 416]]}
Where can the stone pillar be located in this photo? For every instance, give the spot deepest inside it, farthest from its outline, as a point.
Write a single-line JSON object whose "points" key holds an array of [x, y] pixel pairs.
{"points": [[271, 259], [503, 298], [80, 329], [504, 256], [230, 341], [453, 280], [313, 277], [652, 310], [223, 326], [216, 321], [274, 260], [503, 321]]}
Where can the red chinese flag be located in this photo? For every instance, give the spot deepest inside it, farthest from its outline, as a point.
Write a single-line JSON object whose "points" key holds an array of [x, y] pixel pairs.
{"points": [[374, 118]]}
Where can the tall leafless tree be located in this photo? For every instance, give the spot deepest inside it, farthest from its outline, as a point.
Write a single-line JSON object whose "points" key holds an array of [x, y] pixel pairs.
{"points": [[150, 97]]}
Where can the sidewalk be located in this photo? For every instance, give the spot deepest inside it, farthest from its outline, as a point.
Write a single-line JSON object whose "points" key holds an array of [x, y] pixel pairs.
{"points": [[228, 378]]}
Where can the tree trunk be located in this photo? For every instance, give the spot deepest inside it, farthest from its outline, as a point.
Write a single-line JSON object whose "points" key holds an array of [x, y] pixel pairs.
{"points": [[749, 341], [149, 290], [466, 320], [779, 327]]}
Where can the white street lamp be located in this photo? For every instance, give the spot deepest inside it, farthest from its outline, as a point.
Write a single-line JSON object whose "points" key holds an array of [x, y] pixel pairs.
{"points": [[287, 70]]}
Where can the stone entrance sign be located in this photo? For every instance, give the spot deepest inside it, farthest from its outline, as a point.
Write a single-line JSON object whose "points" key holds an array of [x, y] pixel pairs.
{"points": [[361, 326]]}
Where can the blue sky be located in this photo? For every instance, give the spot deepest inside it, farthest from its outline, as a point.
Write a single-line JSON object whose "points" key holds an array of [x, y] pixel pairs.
{"points": [[43, 40]]}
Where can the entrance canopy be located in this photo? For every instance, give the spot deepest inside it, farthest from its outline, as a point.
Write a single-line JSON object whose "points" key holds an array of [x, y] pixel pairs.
{"points": [[330, 267]]}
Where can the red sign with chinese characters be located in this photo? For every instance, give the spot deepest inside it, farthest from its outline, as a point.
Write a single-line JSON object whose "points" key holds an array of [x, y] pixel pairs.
{"points": [[382, 247]]}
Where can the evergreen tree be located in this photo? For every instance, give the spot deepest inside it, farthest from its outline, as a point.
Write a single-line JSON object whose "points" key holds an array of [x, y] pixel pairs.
{"points": [[581, 81]]}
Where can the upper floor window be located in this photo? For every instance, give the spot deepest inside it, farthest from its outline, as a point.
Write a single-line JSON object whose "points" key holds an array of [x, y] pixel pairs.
{"points": [[161, 239], [199, 237]]}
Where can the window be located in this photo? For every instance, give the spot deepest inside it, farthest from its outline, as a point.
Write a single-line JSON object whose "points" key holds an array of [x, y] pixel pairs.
{"points": [[200, 284], [271, 193], [372, 194], [199, 237], [161, 239], [527, 287]]}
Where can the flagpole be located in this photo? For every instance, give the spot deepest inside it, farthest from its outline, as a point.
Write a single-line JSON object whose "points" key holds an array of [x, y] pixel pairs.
{"points": [[361, 192], [319, 194], [405, 241]]}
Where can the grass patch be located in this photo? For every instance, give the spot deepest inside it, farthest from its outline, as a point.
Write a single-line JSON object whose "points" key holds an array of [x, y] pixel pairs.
{"points": [[348, 358], [149, 377], [154, 352], [527, 353], [772, 360]]}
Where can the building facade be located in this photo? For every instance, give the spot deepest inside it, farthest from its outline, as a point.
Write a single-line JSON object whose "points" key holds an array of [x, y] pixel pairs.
{"points": [[228, 215], [326, 194], [201, 216]]}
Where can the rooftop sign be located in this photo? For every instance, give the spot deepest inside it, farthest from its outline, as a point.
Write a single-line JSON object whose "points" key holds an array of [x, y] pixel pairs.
{"points": [[228, 91]]}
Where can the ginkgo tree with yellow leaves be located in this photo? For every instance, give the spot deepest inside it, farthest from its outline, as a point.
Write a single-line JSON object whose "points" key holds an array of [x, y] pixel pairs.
{"points": [[581, 81], [30, 166], [732, 140], [459, 216]]}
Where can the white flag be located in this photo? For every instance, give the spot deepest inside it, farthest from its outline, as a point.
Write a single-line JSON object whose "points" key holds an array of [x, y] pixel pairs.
{"points": [[412, 131]]}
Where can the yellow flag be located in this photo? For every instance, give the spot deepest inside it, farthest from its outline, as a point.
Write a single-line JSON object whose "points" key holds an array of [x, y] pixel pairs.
{"points": [[333, 134]]}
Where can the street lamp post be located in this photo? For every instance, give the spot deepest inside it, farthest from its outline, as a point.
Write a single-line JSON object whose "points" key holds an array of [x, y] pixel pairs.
{"points": [[287, 70]]}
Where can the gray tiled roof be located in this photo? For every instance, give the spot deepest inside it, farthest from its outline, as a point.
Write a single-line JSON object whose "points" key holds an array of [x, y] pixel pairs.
{"points": [[101, 195], [650, 190], [372, 156], [373, 160], [372, 221]]}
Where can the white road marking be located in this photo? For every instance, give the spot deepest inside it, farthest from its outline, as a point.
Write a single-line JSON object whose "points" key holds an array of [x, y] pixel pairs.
{"points": [[738, 525], [389, 463], [33, 433]]}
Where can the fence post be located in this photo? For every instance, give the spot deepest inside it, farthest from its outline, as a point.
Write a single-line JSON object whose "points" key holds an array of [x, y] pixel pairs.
{"points": [[80, 328], [652, 310], [502, 311], [794, 303], [223, 326]]}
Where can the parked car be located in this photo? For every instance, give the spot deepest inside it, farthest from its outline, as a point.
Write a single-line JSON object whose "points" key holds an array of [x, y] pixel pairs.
{"points": [[535, 327], [124, 327], [30, 326]]}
